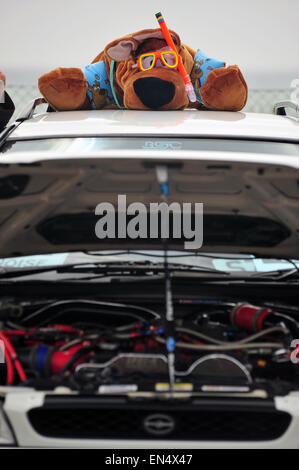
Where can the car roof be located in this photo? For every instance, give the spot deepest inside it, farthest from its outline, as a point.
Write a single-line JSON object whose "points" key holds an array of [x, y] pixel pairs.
{"points": [[188, 123]]}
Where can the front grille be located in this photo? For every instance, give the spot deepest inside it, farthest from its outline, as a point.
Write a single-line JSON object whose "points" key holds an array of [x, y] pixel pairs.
{"points": [[199, 421]]}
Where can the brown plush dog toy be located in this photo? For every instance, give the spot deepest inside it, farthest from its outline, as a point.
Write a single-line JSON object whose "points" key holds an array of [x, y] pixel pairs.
{"points": [[138, 72]]}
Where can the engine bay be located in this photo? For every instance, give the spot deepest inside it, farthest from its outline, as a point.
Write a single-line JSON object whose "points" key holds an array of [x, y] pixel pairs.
{"points": [[93, 346]]}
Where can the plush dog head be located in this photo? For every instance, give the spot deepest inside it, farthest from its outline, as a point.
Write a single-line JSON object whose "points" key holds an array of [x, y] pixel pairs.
{"points": [[160, 88]]}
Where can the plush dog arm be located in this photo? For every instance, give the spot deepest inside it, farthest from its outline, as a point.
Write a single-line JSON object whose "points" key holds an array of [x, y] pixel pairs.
{"points": [[64, 88], [225, 89], [216, 86]]}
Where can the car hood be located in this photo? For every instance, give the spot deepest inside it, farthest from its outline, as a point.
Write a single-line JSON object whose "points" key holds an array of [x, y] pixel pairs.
{"points": [[250, 201], [156, 123]]}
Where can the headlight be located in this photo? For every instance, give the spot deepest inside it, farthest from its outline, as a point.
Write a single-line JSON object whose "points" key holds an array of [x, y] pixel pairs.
{"points": [[6, 436]]}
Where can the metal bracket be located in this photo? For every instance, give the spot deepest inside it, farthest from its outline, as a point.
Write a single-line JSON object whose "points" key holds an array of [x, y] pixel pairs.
{"points": [[6, 132], [281, 106], [29, 109], [27, 113]]}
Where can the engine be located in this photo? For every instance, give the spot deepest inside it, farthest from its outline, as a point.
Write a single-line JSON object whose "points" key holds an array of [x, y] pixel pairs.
{"points": [[94, 346]]}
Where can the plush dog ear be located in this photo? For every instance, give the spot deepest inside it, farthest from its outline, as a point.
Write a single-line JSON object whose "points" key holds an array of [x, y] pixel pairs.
{"points": [[123, 48]]}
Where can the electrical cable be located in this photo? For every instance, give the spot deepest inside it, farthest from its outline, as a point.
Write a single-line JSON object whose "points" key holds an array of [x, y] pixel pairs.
{"points": [[218, 347], [66, 346], [14, 357], [9, 367], [274, 329], [92, 302]]}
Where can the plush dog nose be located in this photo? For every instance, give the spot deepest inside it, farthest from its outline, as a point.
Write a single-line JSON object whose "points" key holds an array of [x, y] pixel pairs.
{"points": [[154, 92]]}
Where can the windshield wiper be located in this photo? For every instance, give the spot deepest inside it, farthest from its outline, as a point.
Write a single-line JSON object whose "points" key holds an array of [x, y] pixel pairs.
{"points": [[278, 275], [136, 268], [145, 269], [192, 254]]}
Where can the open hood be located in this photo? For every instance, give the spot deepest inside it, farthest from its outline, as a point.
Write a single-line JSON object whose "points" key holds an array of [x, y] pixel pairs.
{"points": [[249, 205]]}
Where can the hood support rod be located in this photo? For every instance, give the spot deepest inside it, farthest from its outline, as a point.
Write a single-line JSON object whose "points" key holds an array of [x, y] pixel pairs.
{"points": [[169, 329]]}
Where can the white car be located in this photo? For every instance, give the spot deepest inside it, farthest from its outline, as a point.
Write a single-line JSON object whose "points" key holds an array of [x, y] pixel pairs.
{"points": [[124, 342]]}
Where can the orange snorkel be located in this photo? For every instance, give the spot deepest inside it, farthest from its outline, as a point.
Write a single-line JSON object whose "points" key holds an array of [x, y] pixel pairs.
{"points": [[188, 85]]}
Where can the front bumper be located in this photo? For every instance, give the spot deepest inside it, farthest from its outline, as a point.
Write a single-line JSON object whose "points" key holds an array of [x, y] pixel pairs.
{"points": [[19, 406]]}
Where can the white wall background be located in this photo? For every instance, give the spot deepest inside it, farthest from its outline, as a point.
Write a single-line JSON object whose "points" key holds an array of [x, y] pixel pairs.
{"points": [[261, 36]]}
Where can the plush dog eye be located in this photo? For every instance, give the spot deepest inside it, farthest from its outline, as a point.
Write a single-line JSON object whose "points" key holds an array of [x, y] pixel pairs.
{"points": [[147, 61], [169, 58]]}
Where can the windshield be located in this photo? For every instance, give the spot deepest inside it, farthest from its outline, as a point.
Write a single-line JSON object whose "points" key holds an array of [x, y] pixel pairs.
{"points": [[96, 144]]}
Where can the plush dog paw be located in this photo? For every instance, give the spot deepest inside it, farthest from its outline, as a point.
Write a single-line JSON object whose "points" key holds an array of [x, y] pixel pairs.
{"points": [[64, 88], [225, 89]]}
